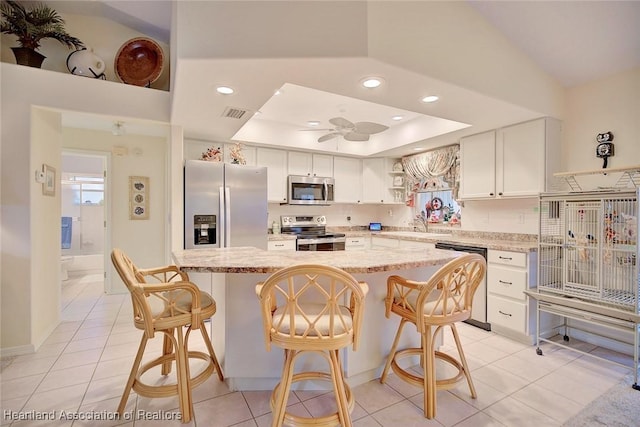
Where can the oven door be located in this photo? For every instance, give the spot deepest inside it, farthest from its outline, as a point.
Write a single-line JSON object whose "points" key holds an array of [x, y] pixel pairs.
{"points": [[321, 244]]}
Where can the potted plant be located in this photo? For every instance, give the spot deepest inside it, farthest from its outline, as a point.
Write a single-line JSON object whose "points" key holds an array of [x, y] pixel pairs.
{"points": [[31, 26]]}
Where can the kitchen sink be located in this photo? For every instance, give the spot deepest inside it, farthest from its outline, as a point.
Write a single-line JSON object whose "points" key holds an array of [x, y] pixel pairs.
{"points": [[414, 234]]}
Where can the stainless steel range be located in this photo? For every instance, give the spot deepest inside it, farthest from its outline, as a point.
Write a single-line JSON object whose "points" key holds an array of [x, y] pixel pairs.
{"points": [[311, 232]]}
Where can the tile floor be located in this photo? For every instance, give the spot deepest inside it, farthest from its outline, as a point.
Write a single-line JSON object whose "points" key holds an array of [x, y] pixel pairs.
{"points": [[82, 367]]}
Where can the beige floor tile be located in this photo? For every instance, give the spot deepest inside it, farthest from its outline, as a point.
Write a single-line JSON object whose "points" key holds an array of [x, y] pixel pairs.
{"points": [[449, 408], [66, 377], [224, 410], [19, 369], [78, 358], [552, 404], [66, 398], [373, 396], [512, 412], [403, 413], [18, 387]]}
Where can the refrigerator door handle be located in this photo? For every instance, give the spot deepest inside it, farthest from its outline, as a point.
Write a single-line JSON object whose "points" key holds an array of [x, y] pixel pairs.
{"points": [[223, 218], [227, 217]]}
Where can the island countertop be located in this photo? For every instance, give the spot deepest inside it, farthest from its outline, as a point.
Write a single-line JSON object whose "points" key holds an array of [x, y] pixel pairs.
{"points": [[253, 260]]}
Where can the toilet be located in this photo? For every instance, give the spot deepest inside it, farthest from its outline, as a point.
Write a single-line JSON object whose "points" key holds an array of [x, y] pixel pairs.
{"points": [[65, 262]]}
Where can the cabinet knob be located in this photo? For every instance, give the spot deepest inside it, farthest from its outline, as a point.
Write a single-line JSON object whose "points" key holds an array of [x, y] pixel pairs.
{"points": [[500, 193], [491, 194]]}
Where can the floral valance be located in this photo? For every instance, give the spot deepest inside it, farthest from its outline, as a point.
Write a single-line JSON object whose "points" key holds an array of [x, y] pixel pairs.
{"points": [[433, 169]]}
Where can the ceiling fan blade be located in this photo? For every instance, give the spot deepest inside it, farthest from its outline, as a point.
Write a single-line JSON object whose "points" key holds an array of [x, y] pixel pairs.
{"points": [[370, 127], [355, 136], [311, 130], [328, 136], [341, 123]]}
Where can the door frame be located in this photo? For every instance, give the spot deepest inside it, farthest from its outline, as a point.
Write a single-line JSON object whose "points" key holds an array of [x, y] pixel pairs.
{"points": [[106, 206]]}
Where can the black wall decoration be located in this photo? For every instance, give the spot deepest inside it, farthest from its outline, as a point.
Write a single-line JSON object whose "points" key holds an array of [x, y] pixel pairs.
{"points": [[604, 150]]}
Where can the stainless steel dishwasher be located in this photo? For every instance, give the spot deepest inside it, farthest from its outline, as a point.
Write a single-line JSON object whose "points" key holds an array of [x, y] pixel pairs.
{"points": [[479, 309]]}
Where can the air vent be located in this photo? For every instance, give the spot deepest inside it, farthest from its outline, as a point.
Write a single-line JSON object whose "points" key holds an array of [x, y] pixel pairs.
{"points": [[234, 113]]}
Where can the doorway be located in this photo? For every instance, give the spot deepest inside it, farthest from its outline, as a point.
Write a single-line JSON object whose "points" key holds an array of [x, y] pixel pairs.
{"points": [[84, 221]]}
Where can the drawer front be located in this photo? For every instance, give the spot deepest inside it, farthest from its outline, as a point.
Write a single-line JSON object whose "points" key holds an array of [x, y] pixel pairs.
{"points": [[507, 313], [281, 245], [507, 281], [515, 259], [355, 243]]}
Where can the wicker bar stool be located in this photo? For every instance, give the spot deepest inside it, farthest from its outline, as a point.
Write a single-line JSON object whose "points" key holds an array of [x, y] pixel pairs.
{"points": [[174, 307], [443, 300], [312, 309]]}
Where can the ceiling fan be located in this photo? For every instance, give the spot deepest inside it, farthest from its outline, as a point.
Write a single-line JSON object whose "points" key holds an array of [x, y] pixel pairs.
{"points": [[359, 131]]}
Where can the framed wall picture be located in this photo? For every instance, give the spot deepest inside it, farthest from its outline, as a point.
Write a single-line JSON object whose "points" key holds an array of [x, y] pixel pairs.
{"points": [[49, 184], [138, 197]]}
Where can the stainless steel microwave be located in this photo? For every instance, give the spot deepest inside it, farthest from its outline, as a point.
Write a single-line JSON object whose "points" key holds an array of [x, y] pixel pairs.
{"points": [[310, 190]]}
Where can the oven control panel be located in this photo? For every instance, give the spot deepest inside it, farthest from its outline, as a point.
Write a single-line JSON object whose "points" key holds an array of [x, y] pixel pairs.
{"points": [[303, 220]]}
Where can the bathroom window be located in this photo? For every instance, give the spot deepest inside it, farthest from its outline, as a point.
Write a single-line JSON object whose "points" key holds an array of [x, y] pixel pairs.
{"points": [[85, 190]]}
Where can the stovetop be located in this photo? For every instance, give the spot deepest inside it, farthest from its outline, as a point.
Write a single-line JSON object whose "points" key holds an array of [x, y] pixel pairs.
{"points": [[307, 226]]}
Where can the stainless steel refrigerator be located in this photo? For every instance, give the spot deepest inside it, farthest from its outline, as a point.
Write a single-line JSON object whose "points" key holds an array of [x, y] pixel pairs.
{"points": [[225, 205]]}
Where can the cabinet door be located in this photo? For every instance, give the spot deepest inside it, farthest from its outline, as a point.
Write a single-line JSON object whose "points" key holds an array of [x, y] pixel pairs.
{"points": [[373, 185], [322, 165], [520, 165], [478, 166], [299, 163], [347, 173], [276, 164]]}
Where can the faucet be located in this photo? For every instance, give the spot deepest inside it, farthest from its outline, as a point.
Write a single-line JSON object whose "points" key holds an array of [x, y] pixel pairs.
{"points": [[422, 221]]}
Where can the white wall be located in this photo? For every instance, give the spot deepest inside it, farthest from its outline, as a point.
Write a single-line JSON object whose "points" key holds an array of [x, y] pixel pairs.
{"points": [[610, 104], [22, 88]]}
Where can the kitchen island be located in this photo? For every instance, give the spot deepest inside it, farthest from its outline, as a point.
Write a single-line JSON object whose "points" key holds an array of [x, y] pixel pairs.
{"points": [[231, 274]]}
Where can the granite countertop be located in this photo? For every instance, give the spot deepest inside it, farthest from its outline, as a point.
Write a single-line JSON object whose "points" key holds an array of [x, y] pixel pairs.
{"points": [[253, 260], [496, 241]]}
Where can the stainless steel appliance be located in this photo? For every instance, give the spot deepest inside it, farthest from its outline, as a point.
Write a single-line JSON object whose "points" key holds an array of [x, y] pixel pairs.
{"points": [[310, 190], [224, 205], [479, 311], [311, 233]]}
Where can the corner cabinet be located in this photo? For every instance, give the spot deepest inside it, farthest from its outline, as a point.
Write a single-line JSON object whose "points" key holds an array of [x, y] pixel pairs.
{"points": [[276, 164], [380, 183], [514, 161], [347, 173]]}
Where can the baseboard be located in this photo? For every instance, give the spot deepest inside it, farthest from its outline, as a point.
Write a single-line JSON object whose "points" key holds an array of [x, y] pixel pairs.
{"points": [[20, 350]]}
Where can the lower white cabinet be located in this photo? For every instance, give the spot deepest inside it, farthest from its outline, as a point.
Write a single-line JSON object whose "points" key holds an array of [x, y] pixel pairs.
{"points": [[357, 243], [509, 310], [281, 245]]}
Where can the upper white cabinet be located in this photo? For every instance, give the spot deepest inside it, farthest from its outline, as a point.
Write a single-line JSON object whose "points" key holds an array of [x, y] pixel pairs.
{"points": [[276, 164], [309, 164], [380, 182], [347, 172], [515, 161], [374, 189]]}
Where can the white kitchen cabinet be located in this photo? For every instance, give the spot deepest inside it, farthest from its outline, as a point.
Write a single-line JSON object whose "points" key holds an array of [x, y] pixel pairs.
{"points": [[374, 188], [509, 310], [347, 172], [478, 166], [309, 164], [357, 243], [276, 164], [281, 245], [380, 183], [514, 161]]}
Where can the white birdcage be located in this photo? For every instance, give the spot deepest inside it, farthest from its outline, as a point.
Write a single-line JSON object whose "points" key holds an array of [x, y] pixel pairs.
{"points": [[588, 247]]}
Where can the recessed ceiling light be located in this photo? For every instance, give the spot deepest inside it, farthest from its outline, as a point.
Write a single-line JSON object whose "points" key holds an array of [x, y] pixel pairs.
{"points": [[372, 82], [224, 90], [313, 123], [397, 118], [430, 98], [418, 148]]}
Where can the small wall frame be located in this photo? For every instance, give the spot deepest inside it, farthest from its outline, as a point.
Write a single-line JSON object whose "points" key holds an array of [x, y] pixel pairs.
{"points": [[138, 197]]}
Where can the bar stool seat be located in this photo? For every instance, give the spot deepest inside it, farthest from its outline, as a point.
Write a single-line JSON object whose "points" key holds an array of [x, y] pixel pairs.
{"points": [[443, 300], [174, 307], [317, 309]]}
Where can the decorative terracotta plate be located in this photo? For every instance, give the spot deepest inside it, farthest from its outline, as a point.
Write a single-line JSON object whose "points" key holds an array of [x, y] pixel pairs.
{"points": [[139, 61]]}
